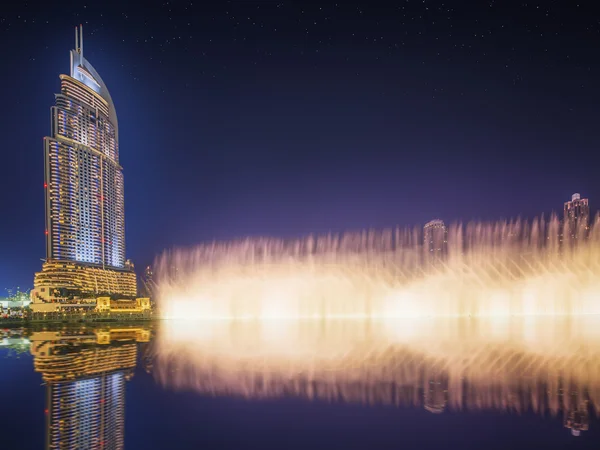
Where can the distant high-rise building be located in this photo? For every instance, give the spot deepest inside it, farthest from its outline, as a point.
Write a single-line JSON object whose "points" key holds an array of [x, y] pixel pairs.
{"points": [[85, 211], [148, 282], [435, 240], [576, 217]]}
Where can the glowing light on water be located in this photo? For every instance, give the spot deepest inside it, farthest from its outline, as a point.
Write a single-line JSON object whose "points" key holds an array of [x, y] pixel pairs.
{"points": [[497, 269], [543, 364]]}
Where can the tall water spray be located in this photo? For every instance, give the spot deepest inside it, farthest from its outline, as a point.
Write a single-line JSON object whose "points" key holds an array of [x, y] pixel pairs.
{"points": [[490, 269]]}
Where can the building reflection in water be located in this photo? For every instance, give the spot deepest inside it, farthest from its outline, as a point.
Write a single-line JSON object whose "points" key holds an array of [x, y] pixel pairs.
{"points": [[85, 373], [576, 412], [545, 365]]}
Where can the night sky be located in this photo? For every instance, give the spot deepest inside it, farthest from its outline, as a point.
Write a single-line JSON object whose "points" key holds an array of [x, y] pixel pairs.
{"points": [[286, 118]]}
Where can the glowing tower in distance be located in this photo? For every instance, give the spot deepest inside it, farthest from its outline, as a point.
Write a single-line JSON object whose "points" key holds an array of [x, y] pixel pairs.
{"points": [[576, 216], [435, 240], [85, 213]]}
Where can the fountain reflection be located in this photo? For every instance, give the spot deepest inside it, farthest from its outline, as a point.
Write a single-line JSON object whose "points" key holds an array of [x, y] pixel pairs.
{"points": [[85, 372], [544, 365]]}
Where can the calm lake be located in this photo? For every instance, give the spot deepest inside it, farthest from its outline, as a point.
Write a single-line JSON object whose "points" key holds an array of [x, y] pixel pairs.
{"points": [[451, 383]]}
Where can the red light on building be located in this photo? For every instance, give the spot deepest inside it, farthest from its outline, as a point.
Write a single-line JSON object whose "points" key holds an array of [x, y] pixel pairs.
{"points": [[46, 232], [45, 185]]}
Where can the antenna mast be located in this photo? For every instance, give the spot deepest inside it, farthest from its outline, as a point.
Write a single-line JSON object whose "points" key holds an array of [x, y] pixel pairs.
{"points": [[81, 39]]}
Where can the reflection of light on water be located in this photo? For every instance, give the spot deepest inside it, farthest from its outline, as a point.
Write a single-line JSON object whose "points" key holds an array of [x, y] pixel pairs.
{"points": [[503, 320], [538, 364], [489, 270]]}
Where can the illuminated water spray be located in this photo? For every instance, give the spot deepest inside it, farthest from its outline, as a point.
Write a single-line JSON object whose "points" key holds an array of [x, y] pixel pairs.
{"points": [[486, 269]]}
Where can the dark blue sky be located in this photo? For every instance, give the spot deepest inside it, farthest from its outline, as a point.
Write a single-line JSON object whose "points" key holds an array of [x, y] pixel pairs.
{"points": [[285, 118]]}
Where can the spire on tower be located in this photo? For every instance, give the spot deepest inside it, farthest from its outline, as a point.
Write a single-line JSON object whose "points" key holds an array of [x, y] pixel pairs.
{"points": [[79, 39]]}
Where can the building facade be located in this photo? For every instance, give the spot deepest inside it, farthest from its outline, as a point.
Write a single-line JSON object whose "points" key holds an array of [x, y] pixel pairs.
{"points": [[84, 194], [139, 305], [147, 287], [576, 218]]}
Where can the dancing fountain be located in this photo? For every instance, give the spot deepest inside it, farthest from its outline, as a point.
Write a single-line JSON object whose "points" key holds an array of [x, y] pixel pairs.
{"points": [[499, 316], [515, 268]]}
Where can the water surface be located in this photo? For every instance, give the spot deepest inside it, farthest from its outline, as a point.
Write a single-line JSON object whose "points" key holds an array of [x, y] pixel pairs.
{"points": [[506, 383]]}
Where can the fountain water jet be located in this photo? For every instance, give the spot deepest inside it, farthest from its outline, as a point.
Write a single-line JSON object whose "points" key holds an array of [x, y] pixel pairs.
{"points": [[490, 269]]}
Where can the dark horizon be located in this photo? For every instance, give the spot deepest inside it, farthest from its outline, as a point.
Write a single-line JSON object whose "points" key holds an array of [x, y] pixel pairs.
{"points": [[288, 118]]}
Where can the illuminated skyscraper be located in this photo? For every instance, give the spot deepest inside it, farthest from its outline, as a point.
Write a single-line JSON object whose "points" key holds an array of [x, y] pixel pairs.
{"points": [[435, 240], [85, 215], [84, 181], [576, 216]]}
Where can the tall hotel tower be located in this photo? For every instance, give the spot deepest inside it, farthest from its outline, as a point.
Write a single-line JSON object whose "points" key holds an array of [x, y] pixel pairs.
{"points": [[85, 213]]}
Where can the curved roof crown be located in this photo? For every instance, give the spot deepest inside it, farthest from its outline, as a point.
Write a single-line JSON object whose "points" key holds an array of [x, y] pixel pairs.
{"points": [[83, 71]]}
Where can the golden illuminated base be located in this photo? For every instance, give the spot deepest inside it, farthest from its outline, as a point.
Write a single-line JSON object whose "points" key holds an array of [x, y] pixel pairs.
{"points": [[62, 281]]}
